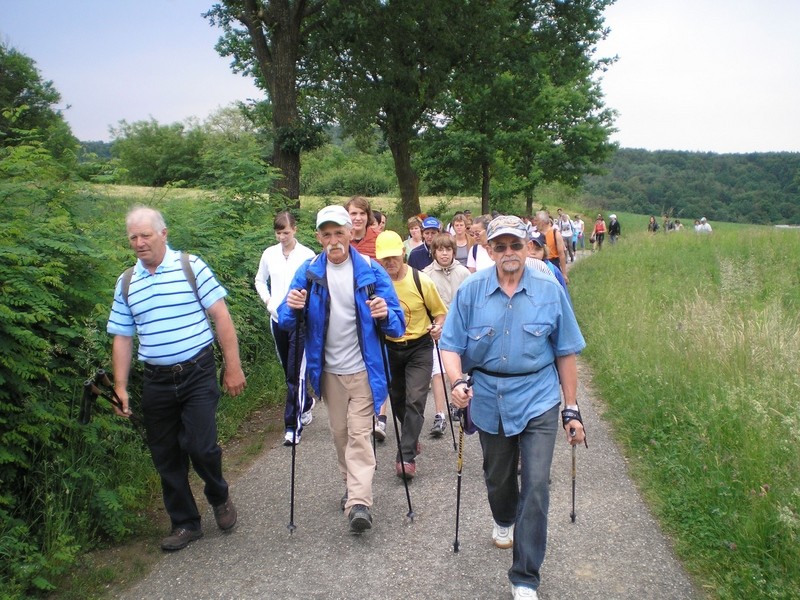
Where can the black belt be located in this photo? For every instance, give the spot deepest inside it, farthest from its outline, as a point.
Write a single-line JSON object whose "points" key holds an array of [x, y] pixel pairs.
{"points": [[178, 367], [498, 374]]}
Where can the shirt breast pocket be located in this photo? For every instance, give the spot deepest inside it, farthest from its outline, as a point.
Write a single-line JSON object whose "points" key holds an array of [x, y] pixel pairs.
{"points": [[478, 341], [535, 339]]}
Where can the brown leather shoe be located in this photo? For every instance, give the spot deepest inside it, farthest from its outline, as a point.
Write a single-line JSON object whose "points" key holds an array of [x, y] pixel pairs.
{"points": [[225, 515], [180, 538]]}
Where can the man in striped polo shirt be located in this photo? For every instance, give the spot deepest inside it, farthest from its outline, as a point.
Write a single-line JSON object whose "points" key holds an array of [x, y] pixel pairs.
{"points": [[170, 316]]}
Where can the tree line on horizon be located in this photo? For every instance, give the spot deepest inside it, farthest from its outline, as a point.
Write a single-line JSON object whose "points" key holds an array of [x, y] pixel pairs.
{"points": [[758, 188]]}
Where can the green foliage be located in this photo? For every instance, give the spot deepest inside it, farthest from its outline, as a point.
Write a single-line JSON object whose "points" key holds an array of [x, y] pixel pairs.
{"points": [[51, 278], [66, 487], [156, 155], [26, 108], [698, 369], [344, 171], [743, 188], [536, 116]]}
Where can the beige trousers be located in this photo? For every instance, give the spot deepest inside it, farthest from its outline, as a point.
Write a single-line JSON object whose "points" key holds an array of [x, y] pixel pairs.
{"points": [[350, 415]]}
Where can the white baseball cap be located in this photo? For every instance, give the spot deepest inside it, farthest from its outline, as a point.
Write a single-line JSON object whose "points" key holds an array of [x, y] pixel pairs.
{"points": [[333, 214]]}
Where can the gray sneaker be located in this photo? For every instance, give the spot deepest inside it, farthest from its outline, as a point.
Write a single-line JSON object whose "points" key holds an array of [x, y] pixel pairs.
{"points": [[360, 519], [439, 426]]}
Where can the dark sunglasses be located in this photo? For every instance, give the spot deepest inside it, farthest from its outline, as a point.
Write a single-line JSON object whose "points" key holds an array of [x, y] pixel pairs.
{"points": [[501, 248]]}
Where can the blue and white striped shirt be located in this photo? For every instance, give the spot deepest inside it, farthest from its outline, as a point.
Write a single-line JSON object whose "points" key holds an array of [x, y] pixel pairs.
{"points": [[163, 310]]}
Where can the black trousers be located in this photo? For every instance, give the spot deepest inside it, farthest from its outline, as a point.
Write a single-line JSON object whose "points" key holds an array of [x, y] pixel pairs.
{"points": [[410, 366], [179, 408]]}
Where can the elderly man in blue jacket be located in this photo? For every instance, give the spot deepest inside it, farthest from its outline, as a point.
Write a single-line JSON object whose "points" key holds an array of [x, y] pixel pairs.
{"points": [[347, 302]]}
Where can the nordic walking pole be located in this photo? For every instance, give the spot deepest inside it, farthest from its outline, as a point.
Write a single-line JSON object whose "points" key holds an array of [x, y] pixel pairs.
{"points": [[574, 472], [87, 403], [444, 388], [459, 467], [385, 358], [298, 407]]}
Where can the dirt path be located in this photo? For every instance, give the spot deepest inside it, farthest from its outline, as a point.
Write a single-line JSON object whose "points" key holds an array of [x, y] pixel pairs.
{"points": [[613, 550]]}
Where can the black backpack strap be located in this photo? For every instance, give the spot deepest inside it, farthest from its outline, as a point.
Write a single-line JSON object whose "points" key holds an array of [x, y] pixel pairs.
{"points": [[418, 283]]}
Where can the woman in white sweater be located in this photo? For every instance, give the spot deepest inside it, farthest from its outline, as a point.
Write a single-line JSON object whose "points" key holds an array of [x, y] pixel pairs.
{"points": [[275, 272]]}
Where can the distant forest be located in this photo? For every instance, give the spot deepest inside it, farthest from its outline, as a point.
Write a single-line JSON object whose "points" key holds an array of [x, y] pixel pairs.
{"points": [[759, 188]]}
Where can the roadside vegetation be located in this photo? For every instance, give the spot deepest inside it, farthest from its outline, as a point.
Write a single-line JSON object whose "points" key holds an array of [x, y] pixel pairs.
{"points": [[694, 343]]}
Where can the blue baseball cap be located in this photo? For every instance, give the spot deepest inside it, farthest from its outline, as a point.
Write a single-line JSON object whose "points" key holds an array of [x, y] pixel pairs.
{"points": [[431, 223]]}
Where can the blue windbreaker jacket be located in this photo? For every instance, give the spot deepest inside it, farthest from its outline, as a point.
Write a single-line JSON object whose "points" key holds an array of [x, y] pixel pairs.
{"points": [[369, 278]]}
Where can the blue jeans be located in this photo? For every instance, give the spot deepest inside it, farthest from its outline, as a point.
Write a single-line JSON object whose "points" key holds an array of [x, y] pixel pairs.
{"points": [[180, 416], [525, 506]]}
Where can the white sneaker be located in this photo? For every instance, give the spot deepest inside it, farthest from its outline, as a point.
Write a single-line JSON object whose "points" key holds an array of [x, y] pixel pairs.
{"points": [[380, 430], [290, 438], [307, 417], [518, 591], [503, 537]]}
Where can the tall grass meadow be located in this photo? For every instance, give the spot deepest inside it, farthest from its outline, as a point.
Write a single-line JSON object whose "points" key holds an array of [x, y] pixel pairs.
{"points": [[694, 343]]}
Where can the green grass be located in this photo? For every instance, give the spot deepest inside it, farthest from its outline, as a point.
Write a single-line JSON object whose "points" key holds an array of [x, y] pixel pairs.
{"points": [[694, 342]]}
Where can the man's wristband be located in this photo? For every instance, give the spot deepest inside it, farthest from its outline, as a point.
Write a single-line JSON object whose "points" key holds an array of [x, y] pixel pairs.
{"points": [[459, 382], [570, 414]]}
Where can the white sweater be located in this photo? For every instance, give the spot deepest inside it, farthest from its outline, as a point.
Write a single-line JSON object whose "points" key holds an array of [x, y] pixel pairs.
{"points": [[279, 270]]}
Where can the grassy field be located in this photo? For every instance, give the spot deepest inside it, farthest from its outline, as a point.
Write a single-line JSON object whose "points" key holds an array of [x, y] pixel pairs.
{"points": [[694, 342]]}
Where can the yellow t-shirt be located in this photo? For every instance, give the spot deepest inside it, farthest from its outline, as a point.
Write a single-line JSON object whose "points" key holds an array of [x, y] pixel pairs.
{"points": [[417, 321]]}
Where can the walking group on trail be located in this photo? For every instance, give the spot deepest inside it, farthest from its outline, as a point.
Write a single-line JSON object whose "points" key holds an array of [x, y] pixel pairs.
{"points": [[370, 318]]}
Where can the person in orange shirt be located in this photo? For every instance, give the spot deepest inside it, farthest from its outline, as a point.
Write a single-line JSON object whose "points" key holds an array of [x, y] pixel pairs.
{"points": [[599, 233], [557, 252], [363, 234]]}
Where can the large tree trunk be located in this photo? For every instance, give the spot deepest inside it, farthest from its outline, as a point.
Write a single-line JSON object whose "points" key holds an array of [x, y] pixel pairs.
{"points": [[277, 60], [529, 202], [283, 92], [407, 179], [485, 179]]}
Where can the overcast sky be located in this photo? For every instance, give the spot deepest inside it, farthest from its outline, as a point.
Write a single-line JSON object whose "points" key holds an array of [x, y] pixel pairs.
{"points": [[704, 75]]}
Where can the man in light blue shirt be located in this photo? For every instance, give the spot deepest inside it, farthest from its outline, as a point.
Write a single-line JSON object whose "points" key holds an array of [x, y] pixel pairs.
{"points": [[513, 331]]}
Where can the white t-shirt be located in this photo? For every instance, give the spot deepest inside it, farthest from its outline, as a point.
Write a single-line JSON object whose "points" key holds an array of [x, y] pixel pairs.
{"points": [[479, 258], [342, 351]]}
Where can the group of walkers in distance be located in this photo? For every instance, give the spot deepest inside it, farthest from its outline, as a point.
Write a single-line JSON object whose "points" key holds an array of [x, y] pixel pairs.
{"points": [[700, 225], [478, 307]]}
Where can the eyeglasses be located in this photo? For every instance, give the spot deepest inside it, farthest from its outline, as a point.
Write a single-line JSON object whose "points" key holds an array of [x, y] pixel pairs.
{"points": [[501, 248]]}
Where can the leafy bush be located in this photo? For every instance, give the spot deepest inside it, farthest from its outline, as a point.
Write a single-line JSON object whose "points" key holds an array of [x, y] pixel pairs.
{"points": [[336, 171], [67, 488], [155, 155]]}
